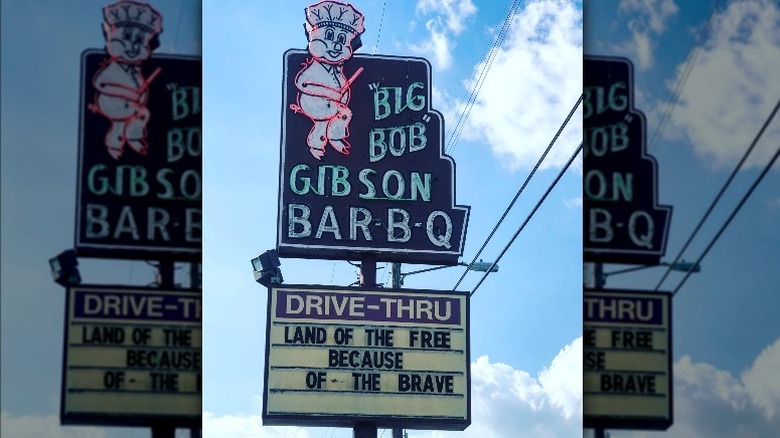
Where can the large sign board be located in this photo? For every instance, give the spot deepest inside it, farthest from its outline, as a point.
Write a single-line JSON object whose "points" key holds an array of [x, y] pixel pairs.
{"points": [[385, 186], [396, 357], [627, 379], [132, 357], [622, 220], [139, 175]]}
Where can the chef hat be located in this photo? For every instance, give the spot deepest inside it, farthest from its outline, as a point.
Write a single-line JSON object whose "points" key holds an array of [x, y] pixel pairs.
{"points": [[336, 14], [130, 13]]}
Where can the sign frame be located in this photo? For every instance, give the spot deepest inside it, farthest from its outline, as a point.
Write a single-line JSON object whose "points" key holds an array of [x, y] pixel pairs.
{"points": [[641, 422], [119, 419], [359, 249], [83, 247], [381, 421], [613, 252]]}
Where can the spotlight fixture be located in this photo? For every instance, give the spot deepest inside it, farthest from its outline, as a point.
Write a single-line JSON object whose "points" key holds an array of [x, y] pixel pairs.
{"points": [[64, 268], [266, 267]]}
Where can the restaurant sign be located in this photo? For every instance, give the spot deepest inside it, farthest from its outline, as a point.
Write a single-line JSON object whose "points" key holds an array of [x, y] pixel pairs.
{"points": [[132, 357], [627, 358], [362, 166], [622, 220], [139, 172], [394, 357]]}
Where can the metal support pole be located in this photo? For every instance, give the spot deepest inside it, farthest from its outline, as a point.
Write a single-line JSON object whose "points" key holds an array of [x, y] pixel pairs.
{"points": [[364, 430], [163, 430], [165, 269], [397, 278], [598, 283], [368, 271], [598, 273], [195, 275], [368, 276], [195, 283], [396, 268]]}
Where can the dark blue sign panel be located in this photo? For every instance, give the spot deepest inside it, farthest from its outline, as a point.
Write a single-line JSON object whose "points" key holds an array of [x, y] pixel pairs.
{"points": [[627, 360], [622, 309], [136, 307], [139, 175], [622, 220], [362, 163], [369, 308]]}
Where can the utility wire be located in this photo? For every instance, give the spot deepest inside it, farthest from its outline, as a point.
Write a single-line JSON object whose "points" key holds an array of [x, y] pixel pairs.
{"points": [[683, 78], [717, 198], [731, 216], [522, 187], [488, 58], [530, 215], [379, 32]]}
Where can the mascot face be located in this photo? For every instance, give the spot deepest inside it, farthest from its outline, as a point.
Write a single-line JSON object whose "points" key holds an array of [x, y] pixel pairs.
{"points": [[128, 44], [330, 44]]}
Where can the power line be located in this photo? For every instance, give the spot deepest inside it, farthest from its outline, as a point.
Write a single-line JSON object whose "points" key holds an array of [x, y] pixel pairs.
{"points": [[720, 193], [489, 56], [379, 32], [683, 78], [731, 216], [522, 187], [530, 215]]}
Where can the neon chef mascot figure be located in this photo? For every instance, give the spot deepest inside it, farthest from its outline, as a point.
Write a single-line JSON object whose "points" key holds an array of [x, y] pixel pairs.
{"points": [[333, 29], [130, 29]]}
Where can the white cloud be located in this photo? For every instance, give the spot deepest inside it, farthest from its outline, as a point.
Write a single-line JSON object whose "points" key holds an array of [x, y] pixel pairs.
{"points": [[505, 403], [773, 203], [246, 426], [449, 19], [534, 80], [733, 87], [763, 381], [562, 381], [640, 48], [649, 18], [709, 402], [454, 12], [24, 426], [438, 46], [654, 13]]}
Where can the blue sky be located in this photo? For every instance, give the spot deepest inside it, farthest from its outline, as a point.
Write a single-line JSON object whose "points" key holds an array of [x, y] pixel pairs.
{"points": [[726, 339], [526, 319]]}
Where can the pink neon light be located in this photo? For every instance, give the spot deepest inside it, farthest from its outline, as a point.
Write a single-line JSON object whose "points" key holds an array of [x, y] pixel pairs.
{"points": [[324, 90], [122, 91]]}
